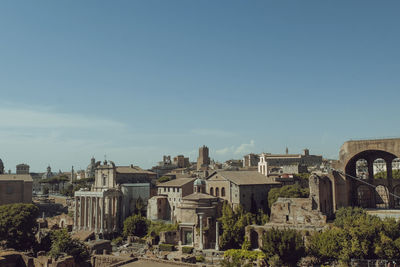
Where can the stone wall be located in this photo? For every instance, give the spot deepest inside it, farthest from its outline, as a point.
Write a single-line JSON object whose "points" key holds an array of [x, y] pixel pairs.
{"points": [[169, 237], [109, 260]]}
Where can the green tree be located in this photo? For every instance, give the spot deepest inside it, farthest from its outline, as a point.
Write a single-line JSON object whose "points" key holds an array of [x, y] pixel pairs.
{"points": [[62, 243], [140, 207], [135, 225], [18, 225], [233, 226], [287, 244], [292, 191]]}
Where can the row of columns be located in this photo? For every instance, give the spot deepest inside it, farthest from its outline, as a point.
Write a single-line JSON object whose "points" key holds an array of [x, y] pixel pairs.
{"points": [[99, 214]]}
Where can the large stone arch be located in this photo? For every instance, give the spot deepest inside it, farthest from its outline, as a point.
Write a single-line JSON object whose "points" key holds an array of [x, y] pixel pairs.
{"points": [[348, 191]]}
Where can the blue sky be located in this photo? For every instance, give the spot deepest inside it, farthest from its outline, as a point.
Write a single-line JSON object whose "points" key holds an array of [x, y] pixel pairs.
{"points": [[139, 79]]}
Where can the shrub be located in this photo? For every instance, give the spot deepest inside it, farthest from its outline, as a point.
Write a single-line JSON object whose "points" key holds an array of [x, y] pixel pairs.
{"points": [[166, 247], [187, 250], [118, 241], [200, 258], [135, 225], [287, 244], [164, 179], [286, 191], [155, 228], [18, 225], [242, 254]]}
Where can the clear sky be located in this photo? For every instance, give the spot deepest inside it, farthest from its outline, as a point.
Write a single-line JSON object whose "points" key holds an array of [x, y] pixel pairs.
{"points": [[139, 79]]}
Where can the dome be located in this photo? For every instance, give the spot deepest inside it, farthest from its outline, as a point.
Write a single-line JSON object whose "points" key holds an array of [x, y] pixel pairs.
{"points": [[199, 182]]}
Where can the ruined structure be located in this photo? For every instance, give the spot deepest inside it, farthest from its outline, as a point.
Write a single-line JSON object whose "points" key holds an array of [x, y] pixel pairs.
{"points": [[298, 213], [375, 162]]}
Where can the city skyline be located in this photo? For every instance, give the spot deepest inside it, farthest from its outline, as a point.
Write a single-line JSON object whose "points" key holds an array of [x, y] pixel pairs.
{"points": [[137, 81]]}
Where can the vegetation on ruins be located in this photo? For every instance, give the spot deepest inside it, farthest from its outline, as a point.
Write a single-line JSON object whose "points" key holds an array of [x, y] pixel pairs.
{"points": [[55, 181], [17, 225], [287, 244], [135, 225], [140, 207], [355, 234], [233, 224], [164, 179], [156, 227], [289, 191], [62, 243]]}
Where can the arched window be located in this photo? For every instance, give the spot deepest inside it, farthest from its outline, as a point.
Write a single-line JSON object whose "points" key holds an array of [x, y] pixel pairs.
{"points": [[362, 169], [211, 191], [222, 191], [217, 192], [104, 180], [379, 166], [396, 168]]}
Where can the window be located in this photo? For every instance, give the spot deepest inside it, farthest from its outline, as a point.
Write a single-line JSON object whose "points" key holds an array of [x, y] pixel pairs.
{"points": [[10, 189], [165, 189], [217, 192], [104, 180], [173, 189], [223, 191], [168, 189], [211, 191]]}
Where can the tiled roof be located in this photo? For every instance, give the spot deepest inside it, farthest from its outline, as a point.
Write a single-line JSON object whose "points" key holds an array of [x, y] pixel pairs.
{"points": [[177, 182], [132, 169], [198, 196], [246, 177]]}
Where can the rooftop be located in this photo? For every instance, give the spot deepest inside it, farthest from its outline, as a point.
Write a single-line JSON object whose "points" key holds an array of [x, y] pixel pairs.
{"points": [[16, 177], [132, 169], [198, 196], [177, 182], [245, 177]]}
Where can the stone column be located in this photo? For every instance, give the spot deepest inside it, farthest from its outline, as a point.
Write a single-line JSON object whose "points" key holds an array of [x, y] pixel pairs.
{"points": [[201, 231], [90, 217], [76, 214], [109, 218], [217, 235], [102, 215], [96, 221], [115, 213], [80, 213], [86, 213]]}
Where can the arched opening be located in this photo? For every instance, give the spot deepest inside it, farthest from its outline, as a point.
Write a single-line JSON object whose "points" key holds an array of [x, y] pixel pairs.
{"points": [[217, 192], [254, 239], [379, 167], [396, 168], [382, 197], [362, 169], [211, 191], [222, 191], [364, 196]]}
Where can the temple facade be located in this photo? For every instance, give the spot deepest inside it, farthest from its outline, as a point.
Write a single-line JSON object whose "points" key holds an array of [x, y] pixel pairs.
{"points": [[111, 199]]}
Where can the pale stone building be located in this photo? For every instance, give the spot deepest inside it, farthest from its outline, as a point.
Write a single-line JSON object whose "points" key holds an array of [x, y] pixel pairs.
{"points": [[15, 188], [246, 188], [293, 163], [111, 198], [197, 216], [170, 194]]}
